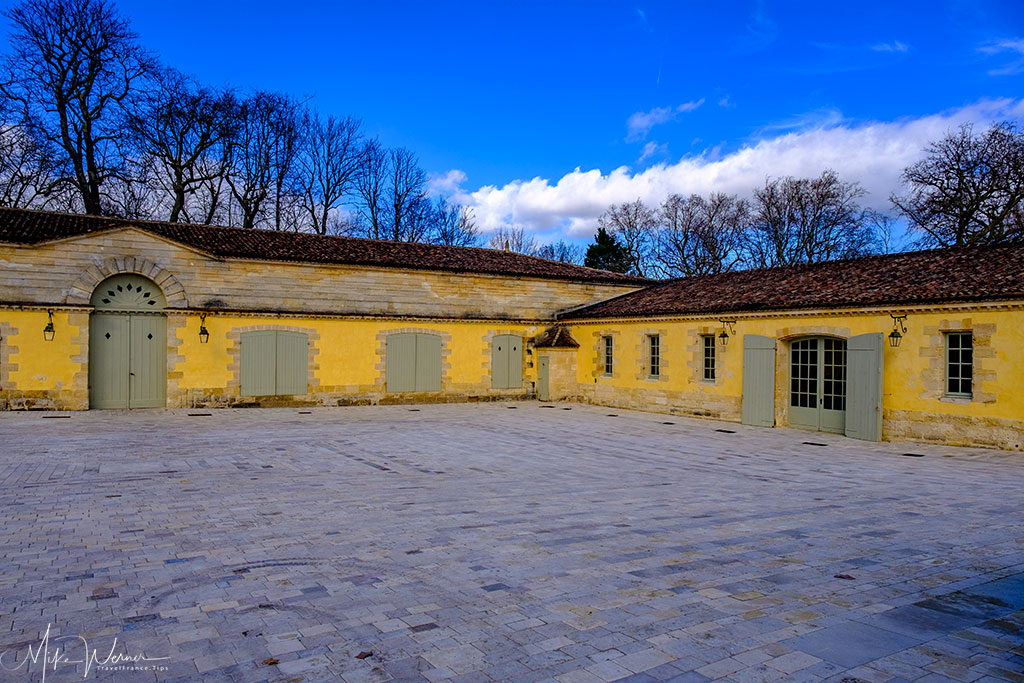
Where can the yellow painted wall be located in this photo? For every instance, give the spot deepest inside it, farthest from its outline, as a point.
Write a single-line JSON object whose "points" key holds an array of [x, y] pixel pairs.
{"points": [[913, 373], [36, 365]]}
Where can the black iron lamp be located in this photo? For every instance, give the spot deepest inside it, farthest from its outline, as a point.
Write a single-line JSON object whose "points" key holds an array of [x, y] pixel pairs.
{"points": [[48, 331], [898, 330], [723, 336], [204, 334]]}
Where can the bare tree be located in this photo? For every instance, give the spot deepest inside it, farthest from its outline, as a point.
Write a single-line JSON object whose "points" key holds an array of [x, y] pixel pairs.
{"points": [[180, 127], [633, 225], [370, 186], [453, 225], [701, 236], [27, 171], [513, 238], [73, 67], [562, 252], [328, 163], [406, 207], [807, 220], [263, 153], [969, 188]]}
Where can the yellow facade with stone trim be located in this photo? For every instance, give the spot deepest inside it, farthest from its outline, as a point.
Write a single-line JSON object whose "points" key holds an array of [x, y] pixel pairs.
{"points": [[914, 403], [348, 310]]}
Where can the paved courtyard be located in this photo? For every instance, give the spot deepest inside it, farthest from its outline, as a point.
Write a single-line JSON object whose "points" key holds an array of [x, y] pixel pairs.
{"points": [[501, 541]]}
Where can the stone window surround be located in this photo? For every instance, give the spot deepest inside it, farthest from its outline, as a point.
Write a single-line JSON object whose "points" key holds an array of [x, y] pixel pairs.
{"points": [[234, 386], [446, 351], [933, 377], [643, 349], [598, 367], [695, 347], [6, 351]]}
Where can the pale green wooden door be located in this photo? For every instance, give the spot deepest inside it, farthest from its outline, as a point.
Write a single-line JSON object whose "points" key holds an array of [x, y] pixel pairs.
{"points": [[515, 361], [428, 362], [259, 363], [864, 387], [292, 362], [274, 363], [413, 362], [108, 360], [817, 384], [147, 361], [543, 392], [507, 362], [758, 381], [400, 373]]}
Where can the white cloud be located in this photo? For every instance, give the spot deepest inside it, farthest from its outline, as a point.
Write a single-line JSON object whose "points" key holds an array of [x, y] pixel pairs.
{"points": [[1015, 66], [638, 125], [873, 153], [894, 46], [652, 149], [445, 184]]}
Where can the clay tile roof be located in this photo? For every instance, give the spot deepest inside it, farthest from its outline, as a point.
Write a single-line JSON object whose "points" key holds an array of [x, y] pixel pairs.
{"points": [[556, 338], [921, 277], [20, 226]]}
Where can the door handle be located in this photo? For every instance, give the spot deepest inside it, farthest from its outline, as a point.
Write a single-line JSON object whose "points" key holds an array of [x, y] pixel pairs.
{"points": [[132, 374]]}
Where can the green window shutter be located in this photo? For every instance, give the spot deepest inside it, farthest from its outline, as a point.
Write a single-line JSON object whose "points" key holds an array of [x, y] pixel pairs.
{"points": [[292, 358], [428, 362], [400, 372], [515, 362], [864, 387], [259, 363], [500, 347], [758, 380]]}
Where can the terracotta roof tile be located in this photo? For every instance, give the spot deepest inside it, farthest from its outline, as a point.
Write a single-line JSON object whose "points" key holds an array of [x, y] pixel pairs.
{"points": [[19, 226], [922, 277]]}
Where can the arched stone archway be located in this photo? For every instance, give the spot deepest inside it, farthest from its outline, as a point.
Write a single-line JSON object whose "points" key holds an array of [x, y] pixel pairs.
{"points": [[80, 292], [127, 343]]}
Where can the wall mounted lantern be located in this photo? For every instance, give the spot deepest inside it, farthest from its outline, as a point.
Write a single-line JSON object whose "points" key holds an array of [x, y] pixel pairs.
{"points": [[723, 336], [48, 330], [896, 336], [204, 334]]}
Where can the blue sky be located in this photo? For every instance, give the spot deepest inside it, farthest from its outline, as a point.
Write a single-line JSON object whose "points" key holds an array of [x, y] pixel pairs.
{"points": [[504, 101]]}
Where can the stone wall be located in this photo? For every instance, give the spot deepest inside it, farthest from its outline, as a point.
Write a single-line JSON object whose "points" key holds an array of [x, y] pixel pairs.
{"points": [[67, 271]]}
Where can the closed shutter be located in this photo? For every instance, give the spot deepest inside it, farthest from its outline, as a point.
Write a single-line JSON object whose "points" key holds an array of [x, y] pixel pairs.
{"points": [[864, 387], [499, 361], [259, 363], [515, 362], [758, 380], [400, 374], [292, 359], [428, 362]]}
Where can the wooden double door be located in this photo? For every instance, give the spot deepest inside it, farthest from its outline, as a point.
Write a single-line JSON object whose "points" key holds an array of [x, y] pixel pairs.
{"points": [[127, 360]]}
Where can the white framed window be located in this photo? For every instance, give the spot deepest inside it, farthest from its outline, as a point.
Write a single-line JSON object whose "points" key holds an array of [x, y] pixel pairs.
{"points": [[959, 364], [609, 355]]}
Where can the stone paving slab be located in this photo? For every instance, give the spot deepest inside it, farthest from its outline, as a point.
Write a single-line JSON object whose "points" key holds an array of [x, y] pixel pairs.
{"points": [[501, 541]]}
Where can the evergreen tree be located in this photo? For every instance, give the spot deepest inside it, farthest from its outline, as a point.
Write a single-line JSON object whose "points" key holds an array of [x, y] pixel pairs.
{"points": [[606, 253]]}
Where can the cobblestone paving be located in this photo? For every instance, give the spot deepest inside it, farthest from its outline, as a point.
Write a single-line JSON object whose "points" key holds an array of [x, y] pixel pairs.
{"points": [[503, 541]]}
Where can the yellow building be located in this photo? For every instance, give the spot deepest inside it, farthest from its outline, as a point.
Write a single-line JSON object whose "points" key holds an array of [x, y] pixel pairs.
{"points": [[110, 313]]}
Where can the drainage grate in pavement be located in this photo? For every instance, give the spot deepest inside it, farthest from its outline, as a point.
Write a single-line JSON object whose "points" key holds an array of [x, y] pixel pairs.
{"points": [[726, 431], [814, 443], [912, 455], [53, 417], [200, 414]]}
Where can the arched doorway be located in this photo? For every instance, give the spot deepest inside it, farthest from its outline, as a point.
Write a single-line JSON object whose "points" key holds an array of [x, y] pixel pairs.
{"points": [[817, 384], [128, 344]]}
